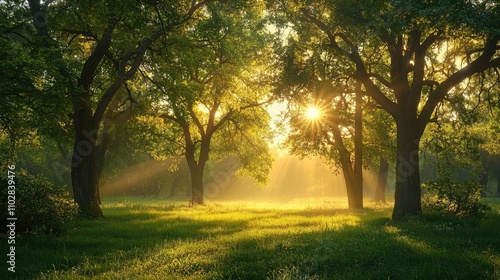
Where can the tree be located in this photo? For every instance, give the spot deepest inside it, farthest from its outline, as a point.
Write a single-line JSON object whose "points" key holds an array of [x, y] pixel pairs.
{"points": [[310, 77], [103, 40], [31, 101], [409, 55], [212, 85]]}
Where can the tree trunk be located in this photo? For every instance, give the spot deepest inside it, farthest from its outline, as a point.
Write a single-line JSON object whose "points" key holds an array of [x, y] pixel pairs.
{"points": [[197, 185], [354, 192], [84, 173], [483, 180], [196, 170], [379, 195], [196, 167], [358, 151], [407, 197]]}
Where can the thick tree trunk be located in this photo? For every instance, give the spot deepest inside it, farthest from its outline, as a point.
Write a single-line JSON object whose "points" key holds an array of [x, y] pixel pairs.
{"points": [[407, 197], [197, 185], [84, 173], [196, 169], [379, 195], [354, 192]]}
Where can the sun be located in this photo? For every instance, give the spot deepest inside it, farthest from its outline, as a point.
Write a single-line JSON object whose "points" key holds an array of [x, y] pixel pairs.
{"points": [[312, 113]]}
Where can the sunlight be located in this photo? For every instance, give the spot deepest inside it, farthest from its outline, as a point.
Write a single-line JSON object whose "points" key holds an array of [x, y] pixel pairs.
{"points": [[312, 113]]}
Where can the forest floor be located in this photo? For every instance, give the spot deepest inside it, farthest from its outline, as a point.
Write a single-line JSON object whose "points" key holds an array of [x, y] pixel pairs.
{"points": [[143, 238]]}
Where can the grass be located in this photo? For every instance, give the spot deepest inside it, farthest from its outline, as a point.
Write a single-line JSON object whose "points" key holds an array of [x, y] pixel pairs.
{"points": [[156, 239]]}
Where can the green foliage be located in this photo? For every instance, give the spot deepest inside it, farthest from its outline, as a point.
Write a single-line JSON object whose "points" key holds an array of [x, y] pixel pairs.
{"points": [[379, 133], [455, 198], [40, 206], [212, 81], [456, 147]]}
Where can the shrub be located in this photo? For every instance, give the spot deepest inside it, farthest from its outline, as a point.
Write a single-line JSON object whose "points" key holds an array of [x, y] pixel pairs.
{"points": [[455, 198], [40, 206]]}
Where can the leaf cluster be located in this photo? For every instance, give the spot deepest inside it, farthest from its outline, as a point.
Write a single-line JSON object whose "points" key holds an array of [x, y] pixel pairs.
{"points": [[455, 198], [41, 206]]}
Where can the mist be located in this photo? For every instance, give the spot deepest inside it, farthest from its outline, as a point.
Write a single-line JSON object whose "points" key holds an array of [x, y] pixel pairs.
{"points": [[290, 179]]}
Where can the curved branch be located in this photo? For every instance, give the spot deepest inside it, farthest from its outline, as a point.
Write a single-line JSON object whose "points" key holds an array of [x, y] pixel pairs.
{"points": [[352, 47], [361, 72], [327, 30], [482, 63], [137, 55], [381, 79], [92, 63]]}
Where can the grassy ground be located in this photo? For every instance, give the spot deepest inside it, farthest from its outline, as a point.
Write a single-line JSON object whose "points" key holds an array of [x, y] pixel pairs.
{"points": [[156, 239]]}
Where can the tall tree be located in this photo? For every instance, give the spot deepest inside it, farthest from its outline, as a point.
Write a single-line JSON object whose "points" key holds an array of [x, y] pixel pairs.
{"points": [[409, 55], [109, 42], [336, 135], [212, 85]]}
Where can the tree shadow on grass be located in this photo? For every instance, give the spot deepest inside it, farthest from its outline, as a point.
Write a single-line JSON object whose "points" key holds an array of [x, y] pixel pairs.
{"points": [[374, 249], [124, 234], [206, 243]]}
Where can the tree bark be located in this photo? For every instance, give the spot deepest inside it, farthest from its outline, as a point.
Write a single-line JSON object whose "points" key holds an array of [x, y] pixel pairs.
{"points": [[197, 185], [84, 173], [196, 167], [358, 149], [379, 195], [407, 197], [354, 192]]}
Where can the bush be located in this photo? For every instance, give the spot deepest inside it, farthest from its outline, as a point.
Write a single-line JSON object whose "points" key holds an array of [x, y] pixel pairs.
{"points": [[40, 206], [455, 198]]}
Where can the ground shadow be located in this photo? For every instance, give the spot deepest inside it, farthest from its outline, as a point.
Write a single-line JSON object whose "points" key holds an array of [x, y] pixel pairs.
{"points": [[232, 243]]}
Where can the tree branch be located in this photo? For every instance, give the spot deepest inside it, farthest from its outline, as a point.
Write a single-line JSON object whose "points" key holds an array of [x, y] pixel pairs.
{"points": [[482, 63], [137, 55], [381, 79], [169, 117], [361, 72], [327, 30], [198, 123], [92, 63], [473, 51], [415, 91]]}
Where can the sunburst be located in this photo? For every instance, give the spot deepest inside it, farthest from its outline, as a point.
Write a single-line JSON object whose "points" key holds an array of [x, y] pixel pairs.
{"points": [[312, 113]]}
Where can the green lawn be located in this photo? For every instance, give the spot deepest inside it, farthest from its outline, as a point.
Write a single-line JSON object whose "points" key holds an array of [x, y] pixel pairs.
{"points": [[157, 239]]}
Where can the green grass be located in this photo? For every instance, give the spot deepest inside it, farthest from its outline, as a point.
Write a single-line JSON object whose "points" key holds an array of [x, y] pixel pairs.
{"points": [[157, 239]]}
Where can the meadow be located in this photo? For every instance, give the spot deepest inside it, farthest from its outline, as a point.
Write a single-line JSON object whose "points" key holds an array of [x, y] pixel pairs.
{"points": [[143, 238]]}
